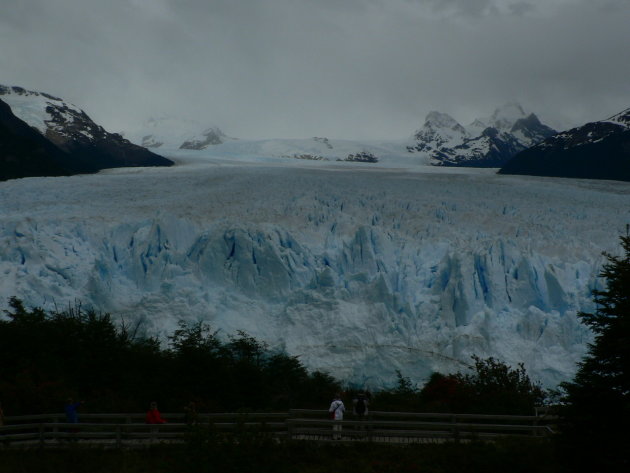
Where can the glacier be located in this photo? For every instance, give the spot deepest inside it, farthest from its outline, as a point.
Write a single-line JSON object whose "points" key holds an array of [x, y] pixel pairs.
{"points": [[359, 270]]}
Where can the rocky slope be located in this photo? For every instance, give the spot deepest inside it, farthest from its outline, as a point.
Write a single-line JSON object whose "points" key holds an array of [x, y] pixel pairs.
{"points": [[69, 128], [24, 152], [598, 150], [486, 142]]}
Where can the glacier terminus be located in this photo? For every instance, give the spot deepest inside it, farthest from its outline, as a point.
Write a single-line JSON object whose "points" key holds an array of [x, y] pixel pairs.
{"points": [[360, 270]]}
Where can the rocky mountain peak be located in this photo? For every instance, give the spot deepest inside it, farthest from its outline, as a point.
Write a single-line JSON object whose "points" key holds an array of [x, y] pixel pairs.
{"points": [[171, 132], [486, 142], [506, 115], [439, 128], [89, 146], [440, 120], [622, 118]]}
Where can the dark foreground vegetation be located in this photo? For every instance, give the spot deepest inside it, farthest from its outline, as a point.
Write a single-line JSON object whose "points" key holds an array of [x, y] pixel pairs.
{"points": [[49, 356], [258, 455]]}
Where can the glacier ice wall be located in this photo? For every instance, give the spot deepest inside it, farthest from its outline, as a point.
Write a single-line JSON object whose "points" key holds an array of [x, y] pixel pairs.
{"points": [[358, 273]]}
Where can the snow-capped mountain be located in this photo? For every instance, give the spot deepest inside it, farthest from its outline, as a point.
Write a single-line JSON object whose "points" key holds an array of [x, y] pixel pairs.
{"points": [[358, 272], [486, 142], [597, 150], [440, 130], [171, 133], [321, 149], [73, 131], [24, 151]]}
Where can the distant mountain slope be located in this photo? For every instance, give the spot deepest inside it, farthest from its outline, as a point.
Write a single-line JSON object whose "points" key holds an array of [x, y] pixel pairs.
{"points": [[598, 150], [177, 133], [68, 127], [24, 152], [486, 142]]}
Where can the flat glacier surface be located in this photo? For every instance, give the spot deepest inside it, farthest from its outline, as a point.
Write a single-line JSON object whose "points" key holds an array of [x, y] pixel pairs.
{"points": [[359, 270]]}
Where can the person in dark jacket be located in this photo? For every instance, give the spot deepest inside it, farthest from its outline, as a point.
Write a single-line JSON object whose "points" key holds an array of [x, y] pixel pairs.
{"points": [[190, 413], [72, 417], [153, 415]]}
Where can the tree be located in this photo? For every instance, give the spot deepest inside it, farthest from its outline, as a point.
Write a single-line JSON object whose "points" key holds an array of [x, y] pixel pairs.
{"points": [[596, 411], [492, 388]]}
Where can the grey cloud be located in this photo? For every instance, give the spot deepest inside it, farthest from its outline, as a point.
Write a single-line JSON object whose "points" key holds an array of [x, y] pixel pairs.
{"points": [[522, 8], [349, 68], [466, 7]]}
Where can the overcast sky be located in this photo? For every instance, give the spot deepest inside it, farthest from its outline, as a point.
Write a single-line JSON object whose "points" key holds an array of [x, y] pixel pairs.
{"points": [[337, 68]]}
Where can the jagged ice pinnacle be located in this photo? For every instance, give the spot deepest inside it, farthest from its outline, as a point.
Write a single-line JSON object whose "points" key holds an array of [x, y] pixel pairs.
{"points": [[358, 272]]}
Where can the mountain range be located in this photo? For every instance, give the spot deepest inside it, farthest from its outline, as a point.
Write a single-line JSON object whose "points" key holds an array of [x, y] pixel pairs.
{"points": [[486, 142], [597, 150], [172, 133], [73, 142], [510, 139]]}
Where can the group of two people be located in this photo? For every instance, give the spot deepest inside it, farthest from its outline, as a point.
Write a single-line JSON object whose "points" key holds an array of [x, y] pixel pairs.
{"points": [[337, 409]]}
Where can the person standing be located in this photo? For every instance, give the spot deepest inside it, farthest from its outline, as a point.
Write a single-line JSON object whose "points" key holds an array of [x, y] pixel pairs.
{"points": [[72, 416], [361, 406], [153, 415], [336, 411], [190, 413]]}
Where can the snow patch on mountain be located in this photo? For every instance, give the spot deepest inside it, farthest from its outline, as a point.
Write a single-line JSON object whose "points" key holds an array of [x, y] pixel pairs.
{"points": [[169, 133], [42, 111], [621, 118], [486, 142]]}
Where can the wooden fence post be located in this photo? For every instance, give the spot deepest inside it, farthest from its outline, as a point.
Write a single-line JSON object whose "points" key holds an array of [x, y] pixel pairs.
{"points": [[455, 428], [289, 424]]}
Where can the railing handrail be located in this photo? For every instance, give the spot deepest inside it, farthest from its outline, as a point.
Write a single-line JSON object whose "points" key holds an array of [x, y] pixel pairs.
{"points": [[123, 427], [435, 415]]}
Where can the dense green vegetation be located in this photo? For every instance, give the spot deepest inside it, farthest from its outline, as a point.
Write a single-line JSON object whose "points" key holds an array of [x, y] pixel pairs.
{"points": [[596, 406], [492, 387], [50, 356]]}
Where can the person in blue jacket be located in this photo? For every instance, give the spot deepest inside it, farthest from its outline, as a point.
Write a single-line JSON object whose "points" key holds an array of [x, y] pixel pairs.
{"points": [[72, 417]]}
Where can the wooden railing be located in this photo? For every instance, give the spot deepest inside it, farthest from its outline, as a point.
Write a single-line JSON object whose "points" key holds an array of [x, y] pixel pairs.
{"points": [[118, 430], [413, 427]]}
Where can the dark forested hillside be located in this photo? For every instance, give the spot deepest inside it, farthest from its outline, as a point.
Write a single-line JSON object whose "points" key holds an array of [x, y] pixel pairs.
{"points": [[50, 356]]}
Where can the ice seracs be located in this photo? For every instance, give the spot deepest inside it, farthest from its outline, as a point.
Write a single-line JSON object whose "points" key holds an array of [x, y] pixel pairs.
{"points": [[417, 268]]}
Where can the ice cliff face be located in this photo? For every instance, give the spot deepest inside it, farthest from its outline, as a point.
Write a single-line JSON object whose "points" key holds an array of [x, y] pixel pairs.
{"points": [[357, 273]]}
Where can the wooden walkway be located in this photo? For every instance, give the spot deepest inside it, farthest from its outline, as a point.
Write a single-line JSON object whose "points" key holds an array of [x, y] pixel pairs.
{"points": [[129, 430]]}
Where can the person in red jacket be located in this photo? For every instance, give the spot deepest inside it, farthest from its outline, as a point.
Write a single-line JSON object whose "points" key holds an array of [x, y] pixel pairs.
{"points": [[153, 415]]}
